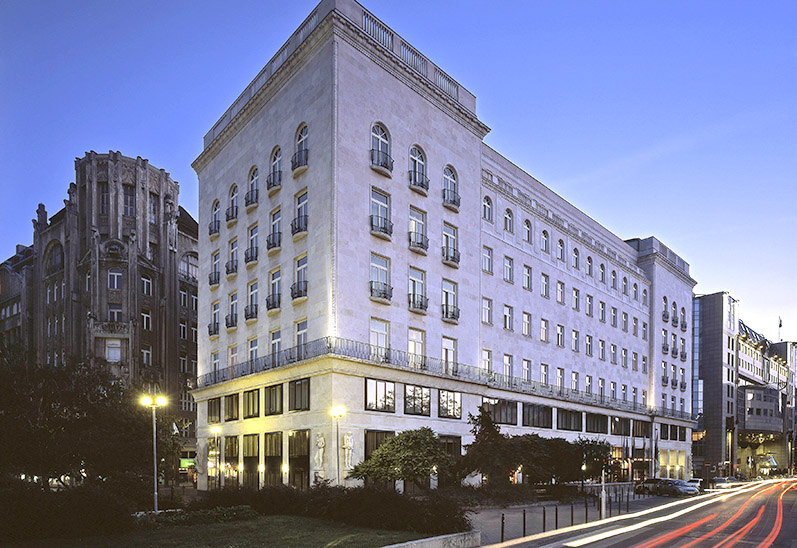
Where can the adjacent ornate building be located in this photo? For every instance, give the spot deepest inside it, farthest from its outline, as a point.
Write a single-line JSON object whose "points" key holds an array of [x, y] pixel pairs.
{"points": [[111, 278], [363, 248]]}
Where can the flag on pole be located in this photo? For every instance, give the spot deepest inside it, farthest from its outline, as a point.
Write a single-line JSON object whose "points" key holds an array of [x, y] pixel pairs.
{"points": [[780, 322], [175, 430]]}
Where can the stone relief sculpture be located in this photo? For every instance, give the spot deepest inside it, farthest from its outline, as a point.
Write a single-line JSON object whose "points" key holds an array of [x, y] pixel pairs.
{"points": [[348, 449], [320, 449]]}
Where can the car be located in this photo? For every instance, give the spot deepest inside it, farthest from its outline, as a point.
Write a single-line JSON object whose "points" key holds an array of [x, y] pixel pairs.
{"points": [[725, 483], [676, 488], [697, 483], [647, 487]]}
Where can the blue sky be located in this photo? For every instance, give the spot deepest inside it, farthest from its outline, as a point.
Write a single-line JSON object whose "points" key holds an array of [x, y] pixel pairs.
{"points": [[676, 119]]}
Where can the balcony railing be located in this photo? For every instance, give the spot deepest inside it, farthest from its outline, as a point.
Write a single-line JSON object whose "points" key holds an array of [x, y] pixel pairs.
{"points": [[213, 328], [273, 240], [382, 160], [299, 290], [250, 311], [674, 351], [674, 383], [299, 159], [231, 320], [400, 360], [418, 302], [111, 328], [273, 181], [683, 355], [683, 325], [299, 225], [251, 197], [665, 316], [674, 320], [450, 199], [214, 227], [419, 242], [381, 291], [450, 313], [419, 181], [450, 255], [665, 347], [232, 213], [273, 301], [665, 380], [683, 386], [231, 266], [214, 277], [250, 255], [381, 226]]}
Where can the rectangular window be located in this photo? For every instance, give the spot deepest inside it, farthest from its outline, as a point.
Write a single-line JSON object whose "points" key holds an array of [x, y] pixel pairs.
{"points": [[214, 410], [509, 269], [146, 285], [644, 331], [231, 402], [380, 396], [252, 403], [146, 355], [417, 287], [183, 330], [153, 208], [272, 396], [588, 345], [613, 354], [635, 327], [568, 420], [560, 336], [416, 346], [527, 277], [574, 342], [299, 395], [602, 311], [450, 405], [526, 370], [487, 260], [602, 350], [508, 365], [574, 380], [544, 289], [544, 373], [526, 324], [301, 269], [272, 450], [544, 330], [589, 305], [501, 411], [588, 384], [625, 322], [105, 199], [624, 357], [560, 292], [417, 226], [614, 317], [380, 274], [115, 313], [508, 317], [380, 206], [576, 299], [450, 238], [115, 278], [183, 298], [417, 400], [113, 350], [597, 423], [487, 359], [537, 415], [129, 200], [487, 311], [449, 351]]}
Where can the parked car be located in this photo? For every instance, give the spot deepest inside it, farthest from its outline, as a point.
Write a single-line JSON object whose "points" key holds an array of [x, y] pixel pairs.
{"points": [[647, 487], [696, 483], [725, 483], [676, 488]]}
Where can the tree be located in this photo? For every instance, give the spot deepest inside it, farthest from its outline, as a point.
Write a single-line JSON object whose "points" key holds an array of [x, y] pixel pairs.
{"points": [[532, 455], [491, 453], [412, 456], [594, 453]]}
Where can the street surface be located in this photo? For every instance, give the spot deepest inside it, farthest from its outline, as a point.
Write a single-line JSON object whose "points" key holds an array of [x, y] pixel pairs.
{"points": [[761, 514]]}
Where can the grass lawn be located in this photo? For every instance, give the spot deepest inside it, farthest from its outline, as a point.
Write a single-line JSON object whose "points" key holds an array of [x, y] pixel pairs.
{"points": [[282, 531]]}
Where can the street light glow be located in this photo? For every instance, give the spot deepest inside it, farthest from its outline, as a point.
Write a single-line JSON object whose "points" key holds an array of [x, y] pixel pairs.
{"points": [[160, 401], [146, 401], [215, 430], [337, 411]]}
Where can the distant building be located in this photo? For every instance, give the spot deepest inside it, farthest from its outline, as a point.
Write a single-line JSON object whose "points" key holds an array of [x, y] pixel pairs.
{"points": [[362, 247], [111, 278], [744, 394]]}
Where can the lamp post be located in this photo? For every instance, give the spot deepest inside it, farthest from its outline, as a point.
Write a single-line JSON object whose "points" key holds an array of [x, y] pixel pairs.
{"points": [[337, 412], [159, 401], [215, 431]]}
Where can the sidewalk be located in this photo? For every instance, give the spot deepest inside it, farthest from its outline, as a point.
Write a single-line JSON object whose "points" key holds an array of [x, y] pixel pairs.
{"points": [[488, 519]]}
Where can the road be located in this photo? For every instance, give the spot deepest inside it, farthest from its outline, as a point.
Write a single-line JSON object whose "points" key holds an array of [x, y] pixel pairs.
{"points": [[762, 514]]}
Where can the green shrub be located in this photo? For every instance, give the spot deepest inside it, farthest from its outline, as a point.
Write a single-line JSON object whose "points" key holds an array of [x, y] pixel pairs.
{"points": [[214, 515]]}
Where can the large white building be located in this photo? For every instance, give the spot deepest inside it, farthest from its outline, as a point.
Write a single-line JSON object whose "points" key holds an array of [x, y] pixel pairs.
{"points": [[365, 249]]}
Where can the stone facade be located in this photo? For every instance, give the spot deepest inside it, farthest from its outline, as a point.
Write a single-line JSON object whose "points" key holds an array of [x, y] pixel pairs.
{"points": [[402, 277]]}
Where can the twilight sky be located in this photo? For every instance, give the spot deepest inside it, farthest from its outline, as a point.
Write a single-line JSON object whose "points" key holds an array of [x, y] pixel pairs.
{"points": [[676, 119]]}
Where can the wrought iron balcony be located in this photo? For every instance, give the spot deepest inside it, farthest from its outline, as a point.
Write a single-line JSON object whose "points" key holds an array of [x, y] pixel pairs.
{"points": [[214, 227], [299, 225], [382, 161], [675, 321], [450, 313], [381, 291], [665, 316], [665, 347], [213, 328], [674, 383], [250, 311], [418, 302], [683, 325], [250, 254], [299, 159], [674, 351], [213, 278], [273, 301], [232, 213], [450, 199], [231, 266], [273, 182], [273, 240], [683, 355], [381, 226], [450, 256], [683, 386], [419, 182], [231, 320], [419, 242], [665, 380], [251, 197], [299, 290]]}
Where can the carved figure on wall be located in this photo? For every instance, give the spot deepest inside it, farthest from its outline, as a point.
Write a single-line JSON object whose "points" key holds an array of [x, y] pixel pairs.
{"points": [[320, 448], [348, 449]]}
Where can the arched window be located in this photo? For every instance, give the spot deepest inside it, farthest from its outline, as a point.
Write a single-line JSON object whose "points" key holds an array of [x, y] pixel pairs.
{"points": [[301, 138], [545, 241], [487, 209], [560, 250], [450, 189], [636, 292], [527, 231], [232, 210], [189, 266], [274, 179], [645, 297], [614, 279], [509, 224], [683, 316], [674, 310], [418, 167], [575, 263], [602, 273], [216, 212], [589, 266], [253, 180], [55, 259], [664, 305], [625, 285], [380, 148], [300, 157]]}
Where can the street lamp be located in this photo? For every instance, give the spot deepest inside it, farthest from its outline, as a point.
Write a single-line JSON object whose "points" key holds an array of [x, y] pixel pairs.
{"points": [[159, 401], [216, 430], [337, 412]]}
